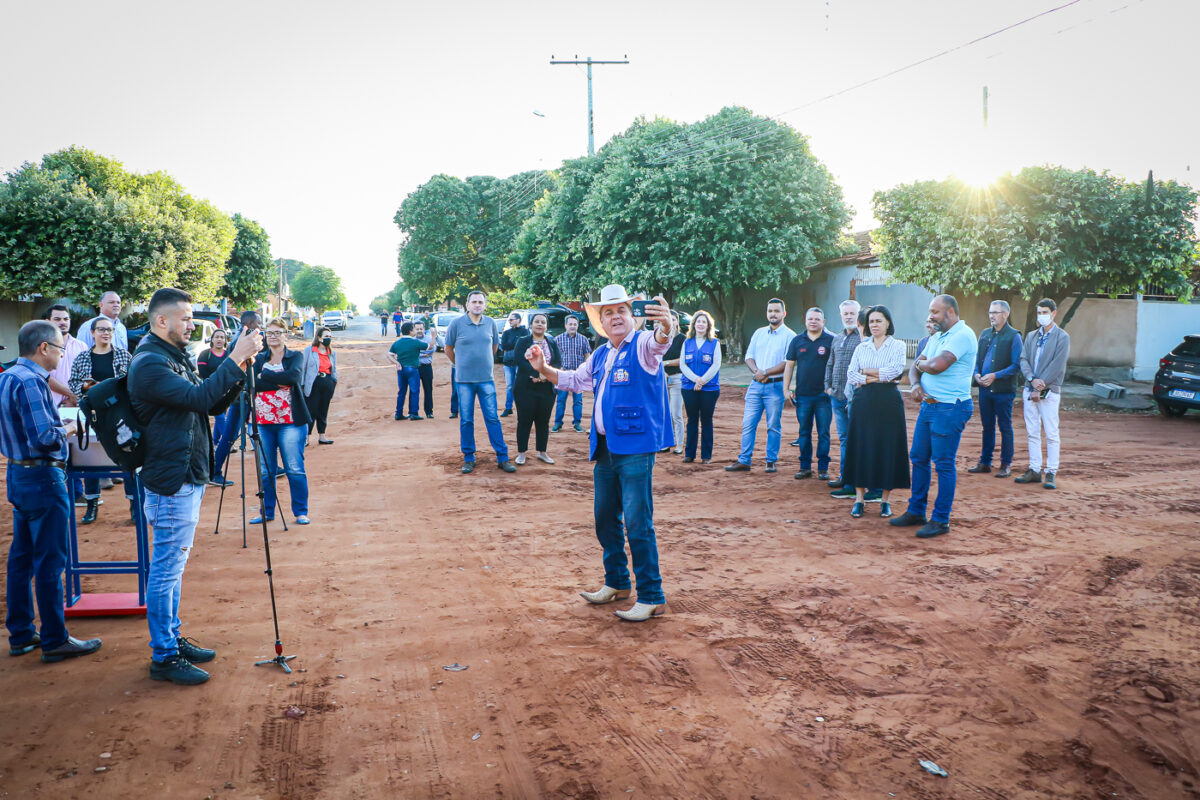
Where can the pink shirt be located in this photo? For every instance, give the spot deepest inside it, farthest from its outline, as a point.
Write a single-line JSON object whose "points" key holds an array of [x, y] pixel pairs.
{"points": [[72, 347], [650, 354]]}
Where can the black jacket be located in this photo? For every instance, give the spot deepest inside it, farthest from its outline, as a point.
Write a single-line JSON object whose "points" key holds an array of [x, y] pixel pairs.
{"points": [[508, 343], [292, 377], [525, 371], [174, 404]]}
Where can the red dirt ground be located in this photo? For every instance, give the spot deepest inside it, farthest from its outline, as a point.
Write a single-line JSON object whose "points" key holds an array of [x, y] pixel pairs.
{"points": [[1045, 648]]}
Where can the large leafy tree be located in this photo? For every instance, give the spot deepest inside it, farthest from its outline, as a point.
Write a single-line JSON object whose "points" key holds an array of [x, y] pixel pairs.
{"points": [[712, 210], [1045, 232], [78, 224], [250, 274], [319, 288]]}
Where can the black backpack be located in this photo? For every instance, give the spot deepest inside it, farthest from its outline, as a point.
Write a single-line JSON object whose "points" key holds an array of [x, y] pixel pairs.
{"points": [[108, 410]]}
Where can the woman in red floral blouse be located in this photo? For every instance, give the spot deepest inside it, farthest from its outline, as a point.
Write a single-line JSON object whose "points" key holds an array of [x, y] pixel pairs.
{"points": [[282, 419]]}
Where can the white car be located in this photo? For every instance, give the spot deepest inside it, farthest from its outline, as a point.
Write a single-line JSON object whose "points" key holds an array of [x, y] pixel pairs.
{"points": [[334, 320], [441, 321]]}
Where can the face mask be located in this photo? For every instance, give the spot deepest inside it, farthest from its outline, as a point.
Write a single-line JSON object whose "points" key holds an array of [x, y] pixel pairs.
{"points": [[326, 341], [1044, 319]]}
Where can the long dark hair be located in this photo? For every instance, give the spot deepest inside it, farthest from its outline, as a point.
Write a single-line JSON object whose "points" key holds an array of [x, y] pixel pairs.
{"points": [[318, 334]]}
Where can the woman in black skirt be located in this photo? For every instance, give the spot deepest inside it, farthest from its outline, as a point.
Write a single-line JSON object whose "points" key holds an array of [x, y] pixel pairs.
{"points": [[534, 395], [877, 447]]}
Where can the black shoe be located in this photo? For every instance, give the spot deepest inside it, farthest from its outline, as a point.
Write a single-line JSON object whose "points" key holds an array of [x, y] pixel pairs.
{"points": [[118, 480], [770, 466], [933, 529], [873, 496], [71, 649], [738, 466], [1049, 482], [219, 481], [845, 491], [177, 669], [908, 519], [856, 510], [89, 516], [453, 414], [468, 467], [506, 466], [399, 417], [802, 474], [839, 483], [885, 510], [507, 412], [689, 459], [1029, 477], [414, 417], [557, 427], [193, 652], [824, 475], [795, 443], [980, 467], [579, 427], [28, 647]]}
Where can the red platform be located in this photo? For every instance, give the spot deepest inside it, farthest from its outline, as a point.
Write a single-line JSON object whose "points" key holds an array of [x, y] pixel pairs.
{"points": [[114, 604]]}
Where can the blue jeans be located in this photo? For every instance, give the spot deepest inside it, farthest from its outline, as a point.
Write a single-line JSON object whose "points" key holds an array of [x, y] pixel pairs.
{"points": [[486, 392], [935, 437], [560, 407], [510, 375], [762, 397], [408, 381], [996, 408], [173, 519], [453, 393], [227, 429], [624, 494], [810, 408], [841, 415], [286, 442], [41, 508]]}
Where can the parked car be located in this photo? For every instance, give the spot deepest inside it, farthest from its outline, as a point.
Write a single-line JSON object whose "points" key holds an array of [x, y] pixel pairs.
{"points": [[195, 346], [1177, 383], [225, 322], [334, 320], [556, 320], [441, 321]]}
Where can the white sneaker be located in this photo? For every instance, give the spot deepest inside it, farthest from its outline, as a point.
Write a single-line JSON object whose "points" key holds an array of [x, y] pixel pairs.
{"points": [[520, 459], [605, 594], [545, 458]]}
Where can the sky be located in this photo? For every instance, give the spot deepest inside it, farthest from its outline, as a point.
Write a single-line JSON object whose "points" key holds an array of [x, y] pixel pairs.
{"points": [[317, 119]]}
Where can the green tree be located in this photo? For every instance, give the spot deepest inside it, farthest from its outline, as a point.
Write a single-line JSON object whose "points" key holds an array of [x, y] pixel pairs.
{"points": [[1046, 232], [250, 274], [380, 305], [291, 268], [79, 224], [712, 210], [318, 288]]}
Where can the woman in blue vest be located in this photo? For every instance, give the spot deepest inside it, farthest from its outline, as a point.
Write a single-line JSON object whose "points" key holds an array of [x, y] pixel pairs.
{"points": [[701, 367], [631, 422]]}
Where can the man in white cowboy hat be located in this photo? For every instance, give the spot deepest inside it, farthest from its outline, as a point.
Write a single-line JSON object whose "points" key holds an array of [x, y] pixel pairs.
{"points": [[631, 421]]}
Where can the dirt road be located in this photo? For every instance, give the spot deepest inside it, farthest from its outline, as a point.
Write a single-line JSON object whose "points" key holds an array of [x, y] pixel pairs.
{"points": [[1046, 648]]}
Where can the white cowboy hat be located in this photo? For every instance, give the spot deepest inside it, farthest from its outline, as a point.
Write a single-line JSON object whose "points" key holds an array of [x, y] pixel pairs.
{"points": [[611, 295]]}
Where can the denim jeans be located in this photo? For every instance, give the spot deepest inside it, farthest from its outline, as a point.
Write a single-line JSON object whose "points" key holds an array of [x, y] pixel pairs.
{"points": [[510, 375], [760, 398], [623, 487], [408, 382], [38, 553], [996, 408], [935, 437], [173, 519], [700, 406], [560, 407], [227, 429], [286, 442], [841, 415], [453, 393], [486, 392], [809, 409]]}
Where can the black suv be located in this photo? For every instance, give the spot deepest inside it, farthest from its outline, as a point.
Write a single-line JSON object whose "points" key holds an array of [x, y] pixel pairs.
{"points": [[1177, 383]]}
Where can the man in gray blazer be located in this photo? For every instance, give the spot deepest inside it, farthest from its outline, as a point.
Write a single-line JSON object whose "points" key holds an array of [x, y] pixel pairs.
{"points": [[1044, 365]]}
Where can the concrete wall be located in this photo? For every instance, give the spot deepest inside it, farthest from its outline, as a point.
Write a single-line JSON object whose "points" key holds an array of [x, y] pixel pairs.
{"points": [[1160, 326], [13, 314], [908, 304]]}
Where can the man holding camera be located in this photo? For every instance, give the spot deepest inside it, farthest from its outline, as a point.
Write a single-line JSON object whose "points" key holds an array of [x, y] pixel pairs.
{"points": [[175, 404], [631, 421]]}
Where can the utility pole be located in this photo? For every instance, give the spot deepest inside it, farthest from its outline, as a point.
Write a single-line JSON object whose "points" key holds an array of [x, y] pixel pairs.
{"points": [[589, 62]]}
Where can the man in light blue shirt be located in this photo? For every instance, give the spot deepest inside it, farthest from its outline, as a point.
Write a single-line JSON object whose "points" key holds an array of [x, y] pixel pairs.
{"points": [[766, 358], [941, 381]]}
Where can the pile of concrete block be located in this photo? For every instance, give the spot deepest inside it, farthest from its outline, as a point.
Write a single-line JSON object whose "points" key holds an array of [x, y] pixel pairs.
{"points": [[1108, 391]]}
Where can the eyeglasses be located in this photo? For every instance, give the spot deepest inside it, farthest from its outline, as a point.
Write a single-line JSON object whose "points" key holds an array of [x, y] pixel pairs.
{"points": [[59, 346], [274, 333], [102, 330]]}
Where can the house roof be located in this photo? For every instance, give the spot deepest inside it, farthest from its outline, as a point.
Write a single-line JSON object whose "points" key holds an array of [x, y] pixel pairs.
{"points": [[863, 255]]}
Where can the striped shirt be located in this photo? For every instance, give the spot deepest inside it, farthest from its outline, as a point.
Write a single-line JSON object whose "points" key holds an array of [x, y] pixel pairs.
{"points": [[574, 349], [29, 425], [888, 359], [844, 345]]}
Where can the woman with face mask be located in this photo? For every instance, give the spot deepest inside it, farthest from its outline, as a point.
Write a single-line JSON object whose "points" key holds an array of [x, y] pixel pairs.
{"points": [[320, 379]]}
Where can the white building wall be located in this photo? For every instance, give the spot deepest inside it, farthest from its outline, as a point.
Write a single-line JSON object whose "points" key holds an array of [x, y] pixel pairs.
{"points": [[1160, 326]]}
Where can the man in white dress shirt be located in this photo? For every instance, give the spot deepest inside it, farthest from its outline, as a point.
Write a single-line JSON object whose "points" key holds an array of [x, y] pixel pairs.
{"points": [[765, 357]]}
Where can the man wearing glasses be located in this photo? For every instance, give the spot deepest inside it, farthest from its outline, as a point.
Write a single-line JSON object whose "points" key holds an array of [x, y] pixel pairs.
{"points": [[996, 366]]}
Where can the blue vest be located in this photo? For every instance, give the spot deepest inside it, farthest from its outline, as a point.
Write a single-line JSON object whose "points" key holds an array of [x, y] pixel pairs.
{"points": [[635, 408], [700, 360]]}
